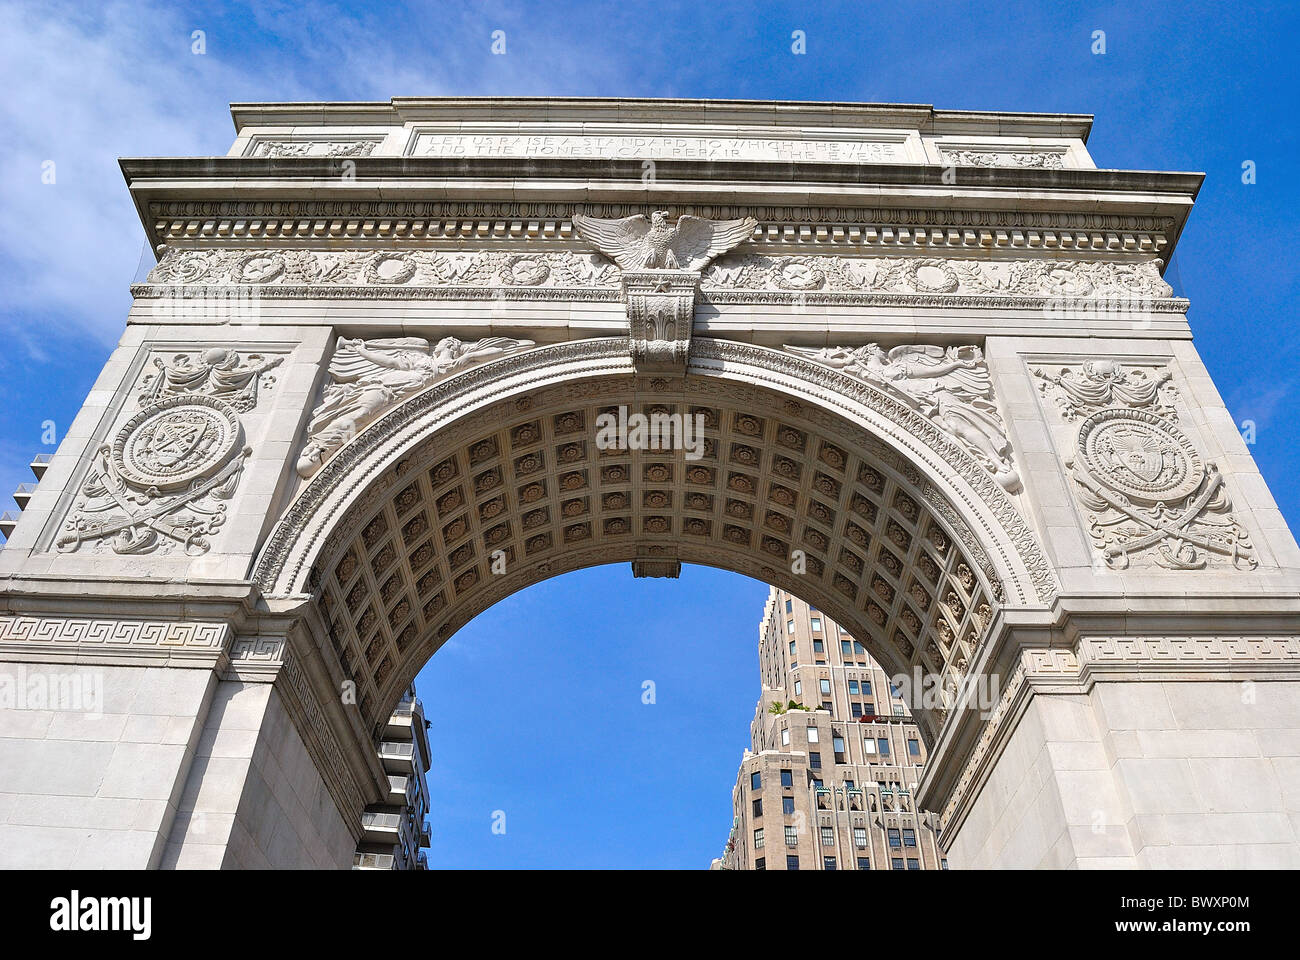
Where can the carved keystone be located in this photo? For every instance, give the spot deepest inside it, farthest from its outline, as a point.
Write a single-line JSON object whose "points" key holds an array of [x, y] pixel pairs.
{"points": [[660, 316], [671, 569]]}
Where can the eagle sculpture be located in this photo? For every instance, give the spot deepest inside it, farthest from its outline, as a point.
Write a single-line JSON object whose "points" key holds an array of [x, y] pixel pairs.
{"points": [[635, 243]]}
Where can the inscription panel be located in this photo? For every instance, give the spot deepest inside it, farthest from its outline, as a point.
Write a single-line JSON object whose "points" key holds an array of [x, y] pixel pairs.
{"points": [[883, 149]]}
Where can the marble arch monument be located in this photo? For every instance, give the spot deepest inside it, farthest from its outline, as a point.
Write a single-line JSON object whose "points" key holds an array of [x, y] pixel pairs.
{"points": [[943, 391]]}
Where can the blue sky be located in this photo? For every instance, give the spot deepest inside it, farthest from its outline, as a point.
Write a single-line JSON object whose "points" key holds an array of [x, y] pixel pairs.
{"points": [[1182, 86]]}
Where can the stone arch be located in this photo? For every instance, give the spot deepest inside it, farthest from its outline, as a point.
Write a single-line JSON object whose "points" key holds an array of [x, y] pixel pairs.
{"points": [[907, 541]]}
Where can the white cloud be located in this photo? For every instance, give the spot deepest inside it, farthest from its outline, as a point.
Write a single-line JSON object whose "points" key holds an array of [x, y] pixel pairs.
{"points": [[85, 85]]}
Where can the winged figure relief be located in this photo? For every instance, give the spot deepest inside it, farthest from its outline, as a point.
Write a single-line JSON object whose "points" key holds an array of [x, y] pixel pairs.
{"points": [[638, 243], [950, 385], [369, 377]]}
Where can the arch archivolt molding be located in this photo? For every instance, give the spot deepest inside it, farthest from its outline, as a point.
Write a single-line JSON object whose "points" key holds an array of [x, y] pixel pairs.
{"points": [[395, 538]]}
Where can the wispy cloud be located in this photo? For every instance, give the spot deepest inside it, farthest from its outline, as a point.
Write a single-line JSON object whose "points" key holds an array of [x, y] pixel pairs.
{"points": [[88, 84]]}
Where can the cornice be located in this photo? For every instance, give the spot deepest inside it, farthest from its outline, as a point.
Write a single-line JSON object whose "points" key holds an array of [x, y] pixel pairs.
{"points": [[180, 197], [305, 223], [647, 110], [704, 176]]}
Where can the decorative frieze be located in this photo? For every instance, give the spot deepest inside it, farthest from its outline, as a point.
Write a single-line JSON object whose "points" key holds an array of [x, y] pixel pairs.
{"points": [[383, 269], [1151, 499], [1216, 650], [389, 272], [107, 632], [314, 148], [1045, 159], [1137, 280]]}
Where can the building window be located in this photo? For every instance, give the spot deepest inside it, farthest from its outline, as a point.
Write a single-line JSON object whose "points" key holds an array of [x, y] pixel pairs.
{"points": [[909, 837], [791, 837], [866, 688], [756, 781], [846, 648], [828, 837], [787, 778], [898, 710], [857, 645], [791, 863], [792, 653], [798, 687], [789, 626], [789, 606], [761, 863], [758, 839], [818, 646], [815, 760], [828, 863], [868, 709], [860, 838], [812, 734], [913, 864], [895, 840], [853, 686], [869, 745], [896, 863], [914, 747], [817, 784], [943, 864], [857, 709], [837, 743], [787, 805], [848, 784], [816, 623], [893, 689], [864, 863], [884, 746], [824, 685], [785, 736], [758, 807]]}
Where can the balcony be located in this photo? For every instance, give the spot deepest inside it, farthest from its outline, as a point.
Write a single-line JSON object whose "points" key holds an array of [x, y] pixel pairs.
{"points": [[397, 757], [8, 521], [373, 861], [24, 494], [397, 788], [380, 827]]}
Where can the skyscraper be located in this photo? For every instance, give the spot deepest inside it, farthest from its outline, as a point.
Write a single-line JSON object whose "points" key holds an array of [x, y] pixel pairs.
{"points": [[834, 759], [395, 831]]}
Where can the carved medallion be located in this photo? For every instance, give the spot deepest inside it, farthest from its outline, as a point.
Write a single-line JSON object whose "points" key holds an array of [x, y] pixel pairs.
{"points": [[1150, 497], [176, 441], [1140, 455], [257, 268]]}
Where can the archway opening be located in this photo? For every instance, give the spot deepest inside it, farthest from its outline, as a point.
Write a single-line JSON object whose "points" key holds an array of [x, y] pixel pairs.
{"points": [[594, 720], [520, 491]]}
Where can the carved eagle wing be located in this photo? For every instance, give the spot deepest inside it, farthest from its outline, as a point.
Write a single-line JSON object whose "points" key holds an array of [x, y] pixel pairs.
{"points": [[698, 241], [624, 241]]}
